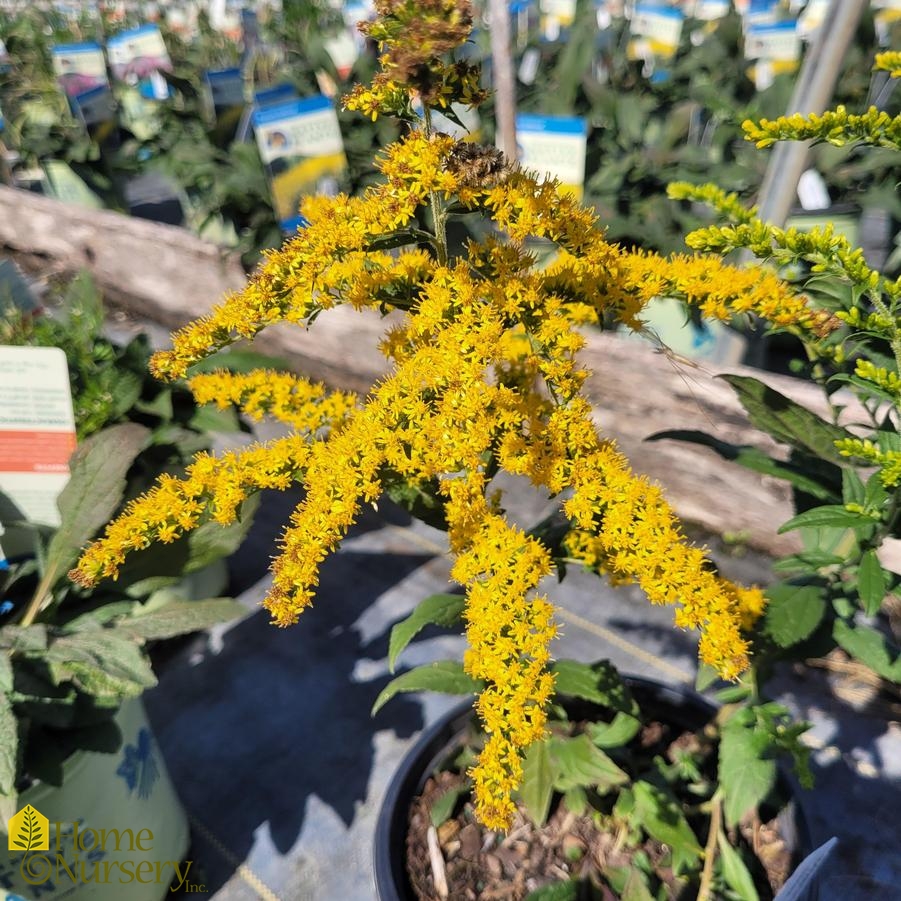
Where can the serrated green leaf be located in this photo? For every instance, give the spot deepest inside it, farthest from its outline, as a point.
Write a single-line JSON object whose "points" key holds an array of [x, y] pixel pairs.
{"points": [[537, 781], [437, 609], [615, 734], [660, 816], [598, 682], [753, 459], [179, 618], [443, 806], [787, 421], [746, 774], [735, 873], [869, 647], [793, 613], [576, 800], [577, 763], [443, 676], [853, 489], [94, 490], [831, 515], [871, 582]]}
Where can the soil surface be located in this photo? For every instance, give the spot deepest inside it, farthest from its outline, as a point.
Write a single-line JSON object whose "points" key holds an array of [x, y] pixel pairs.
{"points": [[479, 865]]}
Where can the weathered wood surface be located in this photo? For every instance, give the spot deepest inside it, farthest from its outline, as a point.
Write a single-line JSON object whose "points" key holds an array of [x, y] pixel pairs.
{"points": [[170, 276]]}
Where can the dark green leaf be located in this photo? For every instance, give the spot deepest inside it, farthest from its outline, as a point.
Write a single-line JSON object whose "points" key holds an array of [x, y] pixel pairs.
{"points": [[443, 806], [735, 873], [746, 774], [660, 816], [444, 676], [871, 582], [787, 421], [94, 490], [598, 682], [869, 647], [577, 763], [537, 781], [792, 612], [831, 515], [755, 460], [614, 734], [438, 609]]}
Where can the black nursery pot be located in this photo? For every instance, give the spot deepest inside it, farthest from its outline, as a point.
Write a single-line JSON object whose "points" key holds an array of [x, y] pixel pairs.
{"points": [[677, 705]]}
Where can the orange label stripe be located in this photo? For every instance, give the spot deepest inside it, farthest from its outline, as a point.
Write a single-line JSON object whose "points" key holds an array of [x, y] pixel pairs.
{"points": [[33, 451]]}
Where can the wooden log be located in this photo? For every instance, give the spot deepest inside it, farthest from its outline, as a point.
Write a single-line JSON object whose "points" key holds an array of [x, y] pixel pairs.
{"points": [[170, 276]]}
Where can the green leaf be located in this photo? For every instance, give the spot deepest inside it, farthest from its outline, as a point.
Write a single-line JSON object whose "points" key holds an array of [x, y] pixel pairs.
{"points": [[556, 891], [787, 421], [869, 647], [537, 781], [444, 805], [6, 673], [829, 515], [239, 361], [661, 817], [871, 582], [9, 745], [444, 676], [706, 677], [753, 459], [440, 609], [735, 873], [792, 612], [577, 763], [101, 662], [746, 774], [599, 682], [179, 618], [576, 800], [94, 490], [636, 888], [614, 734]]}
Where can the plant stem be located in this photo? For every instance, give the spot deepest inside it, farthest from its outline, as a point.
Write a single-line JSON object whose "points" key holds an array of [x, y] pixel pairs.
{"points": [[37, 602], [716, 819], [438, 212]]}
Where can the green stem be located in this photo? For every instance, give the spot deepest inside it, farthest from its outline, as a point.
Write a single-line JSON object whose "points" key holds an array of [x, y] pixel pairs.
{"points": [[716, 817], [439, 215]]}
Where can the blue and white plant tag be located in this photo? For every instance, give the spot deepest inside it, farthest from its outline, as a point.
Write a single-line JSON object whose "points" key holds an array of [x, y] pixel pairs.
{"points": [[79, 67], [301, 146], [554, 146], [659, 26]]}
